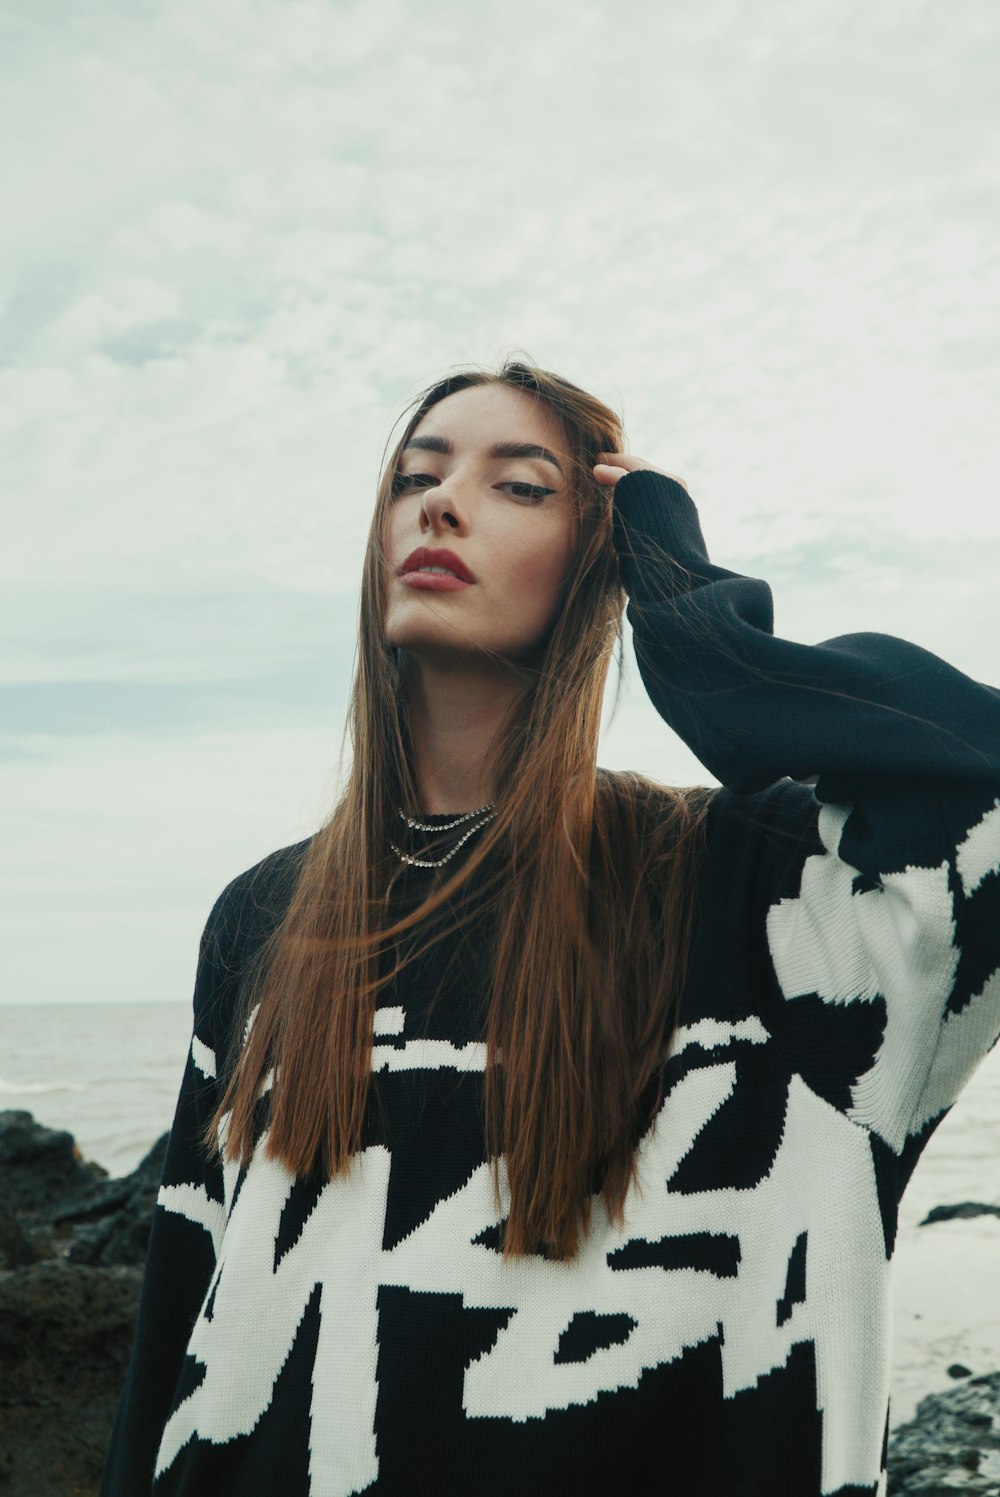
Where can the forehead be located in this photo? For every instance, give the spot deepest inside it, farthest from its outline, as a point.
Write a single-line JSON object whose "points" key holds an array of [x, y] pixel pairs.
{"points": [[480, 414]]}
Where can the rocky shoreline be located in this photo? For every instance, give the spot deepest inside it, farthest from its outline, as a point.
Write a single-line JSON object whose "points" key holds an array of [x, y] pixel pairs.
{"points": [[72, 1245]]}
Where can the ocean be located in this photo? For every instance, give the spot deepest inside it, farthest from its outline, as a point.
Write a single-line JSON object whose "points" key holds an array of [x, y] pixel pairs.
{"points": [[109, 1074]]}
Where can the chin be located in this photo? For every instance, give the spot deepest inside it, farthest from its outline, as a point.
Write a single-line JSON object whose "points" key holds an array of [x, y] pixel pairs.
{"points": [[435, 641], [432, 647]]}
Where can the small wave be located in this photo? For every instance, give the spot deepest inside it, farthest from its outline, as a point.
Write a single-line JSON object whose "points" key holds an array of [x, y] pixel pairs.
{"points": [[40, 1088]]}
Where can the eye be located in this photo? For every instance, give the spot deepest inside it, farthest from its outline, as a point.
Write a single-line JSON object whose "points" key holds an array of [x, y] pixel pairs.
{"points": [[535, 493], [531, 493], [403, 481]]}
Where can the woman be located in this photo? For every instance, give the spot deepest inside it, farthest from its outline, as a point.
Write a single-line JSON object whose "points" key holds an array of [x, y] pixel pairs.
{"points": [[543, 1128]]}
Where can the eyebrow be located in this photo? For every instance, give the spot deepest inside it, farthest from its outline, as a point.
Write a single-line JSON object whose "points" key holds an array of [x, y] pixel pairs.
{"points": [[499, 449]]}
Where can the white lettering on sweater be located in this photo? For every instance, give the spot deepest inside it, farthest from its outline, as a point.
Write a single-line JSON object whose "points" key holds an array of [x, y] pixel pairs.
{"points": [[895, 943], [256, 1309]]}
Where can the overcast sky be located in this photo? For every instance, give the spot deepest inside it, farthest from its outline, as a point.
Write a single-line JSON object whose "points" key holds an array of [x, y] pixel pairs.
{"points": [[238, 238]]}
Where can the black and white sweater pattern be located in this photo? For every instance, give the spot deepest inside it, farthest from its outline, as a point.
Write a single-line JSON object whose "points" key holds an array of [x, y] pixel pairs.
{"points": [[733, 1337]]}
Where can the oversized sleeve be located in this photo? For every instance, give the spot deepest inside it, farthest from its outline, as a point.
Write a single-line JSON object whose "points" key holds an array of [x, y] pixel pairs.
{"points": [[185, 1234], [880, 901]]}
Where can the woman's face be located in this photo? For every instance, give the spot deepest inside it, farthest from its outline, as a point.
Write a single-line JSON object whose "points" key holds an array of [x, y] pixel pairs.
{"points": [[506, 522]]}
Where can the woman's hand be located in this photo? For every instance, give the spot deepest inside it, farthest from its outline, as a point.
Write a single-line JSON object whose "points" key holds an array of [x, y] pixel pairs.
{"points": [[612, 466]]}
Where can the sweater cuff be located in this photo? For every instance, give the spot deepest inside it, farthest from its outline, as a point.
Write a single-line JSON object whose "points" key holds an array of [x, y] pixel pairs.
{"points": [[655, 525]]}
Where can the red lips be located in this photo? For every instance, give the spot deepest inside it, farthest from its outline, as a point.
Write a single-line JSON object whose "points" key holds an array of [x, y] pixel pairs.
{"points": [[425, 556]]}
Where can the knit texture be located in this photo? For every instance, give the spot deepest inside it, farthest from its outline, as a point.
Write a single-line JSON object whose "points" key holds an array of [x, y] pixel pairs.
{"points": [[732, 1339]]}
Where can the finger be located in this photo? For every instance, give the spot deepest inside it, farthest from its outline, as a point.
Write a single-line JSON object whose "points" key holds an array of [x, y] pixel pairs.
{"points": [[621, 460], [607, 473]]}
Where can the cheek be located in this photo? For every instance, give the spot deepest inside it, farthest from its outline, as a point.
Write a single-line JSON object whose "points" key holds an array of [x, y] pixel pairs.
{"points": [[538, 571], [390, 526]]}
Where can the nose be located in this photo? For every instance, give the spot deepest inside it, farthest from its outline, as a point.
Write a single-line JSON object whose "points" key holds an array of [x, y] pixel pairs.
{"points": [[441, 512]]}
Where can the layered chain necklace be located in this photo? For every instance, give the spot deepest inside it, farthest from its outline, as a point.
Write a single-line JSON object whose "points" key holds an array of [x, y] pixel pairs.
{"points": [[486, 813]]}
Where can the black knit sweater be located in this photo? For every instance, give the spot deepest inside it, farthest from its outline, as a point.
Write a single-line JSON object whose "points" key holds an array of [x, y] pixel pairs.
{"points": [[364, 1335]]}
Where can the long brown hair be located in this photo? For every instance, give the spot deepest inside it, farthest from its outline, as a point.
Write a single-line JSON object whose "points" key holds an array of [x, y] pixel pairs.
{"points": [[591, 875]]}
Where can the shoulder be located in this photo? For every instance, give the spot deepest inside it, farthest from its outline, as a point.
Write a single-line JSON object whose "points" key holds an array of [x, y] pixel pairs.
{"points": [[243, 916], [783, 803], [773, 825], [256, 898]]}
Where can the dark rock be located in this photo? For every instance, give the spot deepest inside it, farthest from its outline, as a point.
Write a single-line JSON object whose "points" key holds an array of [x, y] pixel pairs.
{"points": [[16, 1248], [958, 1370], [111, 1223], [958, 1213], [951, 1445], [65, 1334], [73, 1243], [89, 1218], [39, 1166]]}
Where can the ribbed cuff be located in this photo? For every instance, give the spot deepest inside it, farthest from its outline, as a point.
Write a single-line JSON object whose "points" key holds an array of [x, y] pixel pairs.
{"points": [[655, 522]]}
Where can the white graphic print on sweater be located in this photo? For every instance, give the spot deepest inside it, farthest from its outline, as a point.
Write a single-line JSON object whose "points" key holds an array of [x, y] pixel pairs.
{"points": [[896, 942], [820, 1193]]}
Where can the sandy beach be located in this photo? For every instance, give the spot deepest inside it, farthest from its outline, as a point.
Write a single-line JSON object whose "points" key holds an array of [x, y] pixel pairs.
{"points": [[947, 1274]]}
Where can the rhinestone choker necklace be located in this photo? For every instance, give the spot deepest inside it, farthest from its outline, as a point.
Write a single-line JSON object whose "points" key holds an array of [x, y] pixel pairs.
{"points": [[485, 812]]}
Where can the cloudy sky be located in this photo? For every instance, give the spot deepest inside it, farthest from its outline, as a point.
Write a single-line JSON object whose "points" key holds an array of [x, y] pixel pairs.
{"points": [[239, 239]]}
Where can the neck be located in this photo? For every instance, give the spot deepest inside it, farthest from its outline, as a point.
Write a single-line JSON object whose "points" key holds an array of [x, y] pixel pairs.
{"points": [[455, 713]]}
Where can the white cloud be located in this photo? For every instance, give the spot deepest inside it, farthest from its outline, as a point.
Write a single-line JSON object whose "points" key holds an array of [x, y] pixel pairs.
{"points": [[245, 236]]}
